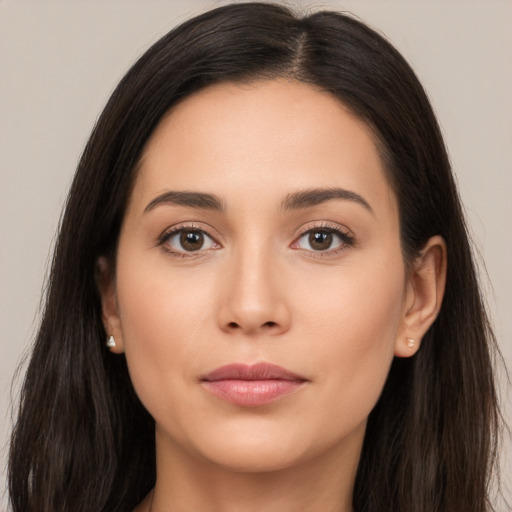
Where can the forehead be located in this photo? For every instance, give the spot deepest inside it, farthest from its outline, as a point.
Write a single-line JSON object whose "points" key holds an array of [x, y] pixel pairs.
{"points": [[272, 135]]}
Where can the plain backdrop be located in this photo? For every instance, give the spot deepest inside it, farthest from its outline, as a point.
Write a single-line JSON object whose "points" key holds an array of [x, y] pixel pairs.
{"points": [[60, 60]]}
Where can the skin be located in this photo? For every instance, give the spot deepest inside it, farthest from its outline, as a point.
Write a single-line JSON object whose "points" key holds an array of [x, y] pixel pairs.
{"points": [[257, 291]]}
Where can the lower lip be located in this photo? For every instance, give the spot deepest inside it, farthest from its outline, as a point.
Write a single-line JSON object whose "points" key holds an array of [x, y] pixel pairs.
{"points": [[252, 393]]}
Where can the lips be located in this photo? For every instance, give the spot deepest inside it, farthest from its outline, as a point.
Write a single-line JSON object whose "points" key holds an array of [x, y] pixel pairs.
{"points": [[252, 385]]}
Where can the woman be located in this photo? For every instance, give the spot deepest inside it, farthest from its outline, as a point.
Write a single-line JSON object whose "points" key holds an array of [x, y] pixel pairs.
{"points": [[262, 295]]}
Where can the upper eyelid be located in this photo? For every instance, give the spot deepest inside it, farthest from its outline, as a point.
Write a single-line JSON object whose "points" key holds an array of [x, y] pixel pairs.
{"points": [[191, 225], [325, 225]]}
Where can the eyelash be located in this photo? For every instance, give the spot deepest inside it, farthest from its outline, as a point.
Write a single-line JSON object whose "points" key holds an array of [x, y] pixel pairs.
{"points": [[347, 240], [170, 233]]}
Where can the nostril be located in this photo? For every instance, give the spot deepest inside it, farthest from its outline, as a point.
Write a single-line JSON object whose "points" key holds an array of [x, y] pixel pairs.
{"points": [[270, 324]]}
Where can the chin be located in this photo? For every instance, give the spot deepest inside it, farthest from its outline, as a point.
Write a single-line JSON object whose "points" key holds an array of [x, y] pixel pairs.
{"points": [[245, 446], [260, 447], [255, 458]]}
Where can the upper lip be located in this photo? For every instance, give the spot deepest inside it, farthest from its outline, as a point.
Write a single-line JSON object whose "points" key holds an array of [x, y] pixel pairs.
{"points": [[258, 371]]}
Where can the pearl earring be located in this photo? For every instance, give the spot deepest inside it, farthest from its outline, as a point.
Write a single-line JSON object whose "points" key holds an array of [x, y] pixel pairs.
{"points": [[410, 342], [111, 342]]}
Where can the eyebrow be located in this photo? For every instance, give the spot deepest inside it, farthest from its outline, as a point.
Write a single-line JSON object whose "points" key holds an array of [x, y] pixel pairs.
{"points": [[184, 198], [316, 196], [294, 201]]}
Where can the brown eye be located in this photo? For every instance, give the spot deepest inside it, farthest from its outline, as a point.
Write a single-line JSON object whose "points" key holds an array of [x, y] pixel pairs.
{"points": [[320, 240], [328, 240], [191, 240]]}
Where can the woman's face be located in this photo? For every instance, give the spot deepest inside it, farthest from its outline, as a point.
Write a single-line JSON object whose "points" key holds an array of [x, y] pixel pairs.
{"points": [[261, 229]]}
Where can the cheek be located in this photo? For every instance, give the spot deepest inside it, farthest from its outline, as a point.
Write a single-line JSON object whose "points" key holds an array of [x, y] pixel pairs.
{"points": [[355, 322], [161, 317]]}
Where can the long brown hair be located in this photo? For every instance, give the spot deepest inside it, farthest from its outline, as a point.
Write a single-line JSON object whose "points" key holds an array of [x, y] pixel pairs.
{"points": [[84, 442]]}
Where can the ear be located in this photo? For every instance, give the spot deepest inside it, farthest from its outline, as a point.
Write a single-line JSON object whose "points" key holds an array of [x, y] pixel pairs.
{"points": [[423, 297], [105, 281]]}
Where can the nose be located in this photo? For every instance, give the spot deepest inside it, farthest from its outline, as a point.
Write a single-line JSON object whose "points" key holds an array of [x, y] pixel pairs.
{"points": [[253, 297]]}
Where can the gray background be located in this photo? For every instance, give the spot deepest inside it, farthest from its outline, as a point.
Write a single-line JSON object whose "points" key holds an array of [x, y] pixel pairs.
{"points": [[59, 61]]}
